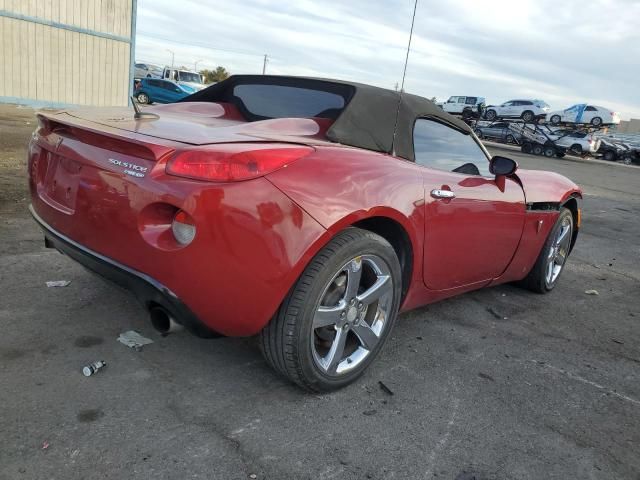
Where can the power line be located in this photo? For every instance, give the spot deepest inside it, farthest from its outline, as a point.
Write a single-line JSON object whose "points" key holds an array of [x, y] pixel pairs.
{"points": [[197, 44]]}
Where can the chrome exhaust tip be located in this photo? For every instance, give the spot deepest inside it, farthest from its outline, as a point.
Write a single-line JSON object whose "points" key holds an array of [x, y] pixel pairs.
{"points": [[163, 322]]}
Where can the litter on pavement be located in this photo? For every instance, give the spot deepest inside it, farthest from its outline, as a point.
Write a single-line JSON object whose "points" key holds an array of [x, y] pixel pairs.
{"points": [[133, 339], [58, 283], [591, 292], [92, 368], [385, 389]]}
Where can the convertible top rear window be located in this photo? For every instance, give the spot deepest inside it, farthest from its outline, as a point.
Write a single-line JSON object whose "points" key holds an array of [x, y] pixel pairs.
{"points": [[364, 116], [281, 101]]}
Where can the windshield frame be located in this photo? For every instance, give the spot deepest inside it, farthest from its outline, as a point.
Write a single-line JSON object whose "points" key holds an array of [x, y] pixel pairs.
{"points": [[184, 73]]}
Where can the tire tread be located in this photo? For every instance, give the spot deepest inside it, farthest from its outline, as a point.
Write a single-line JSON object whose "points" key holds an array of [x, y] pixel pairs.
{"points": [[278, 338]]}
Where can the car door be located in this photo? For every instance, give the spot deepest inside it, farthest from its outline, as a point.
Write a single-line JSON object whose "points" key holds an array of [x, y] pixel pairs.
{"points": [[174, 92], [473, 223], [502, 110], [153, 90], [446, 106], [496, 130], [589, 113], [517, 107], [166, 89], [571, 114]]}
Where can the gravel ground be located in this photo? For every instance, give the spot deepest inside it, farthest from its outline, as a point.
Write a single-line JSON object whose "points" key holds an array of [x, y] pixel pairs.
{"points": [[499, 383]]}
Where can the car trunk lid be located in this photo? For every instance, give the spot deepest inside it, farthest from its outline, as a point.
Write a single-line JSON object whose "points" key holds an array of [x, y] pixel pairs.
{"points": [[194, 123]]}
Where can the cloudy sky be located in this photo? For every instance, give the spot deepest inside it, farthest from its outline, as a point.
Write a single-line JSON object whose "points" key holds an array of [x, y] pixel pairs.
{"points": [[564, 52]]}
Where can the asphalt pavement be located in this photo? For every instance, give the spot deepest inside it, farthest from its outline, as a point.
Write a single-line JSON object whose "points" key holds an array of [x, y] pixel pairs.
{"points": [[499, 383]]}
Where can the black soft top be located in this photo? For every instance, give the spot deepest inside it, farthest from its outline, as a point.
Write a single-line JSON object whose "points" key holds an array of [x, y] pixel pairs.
{"points": [[368, 119]]}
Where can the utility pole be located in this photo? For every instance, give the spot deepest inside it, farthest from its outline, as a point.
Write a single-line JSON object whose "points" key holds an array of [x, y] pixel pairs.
{"points": [[195, 65], [264, 64], [172, 57]]}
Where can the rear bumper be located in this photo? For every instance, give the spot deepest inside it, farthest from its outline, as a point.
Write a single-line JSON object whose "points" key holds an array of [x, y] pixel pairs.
{"points": [[149, 292]]}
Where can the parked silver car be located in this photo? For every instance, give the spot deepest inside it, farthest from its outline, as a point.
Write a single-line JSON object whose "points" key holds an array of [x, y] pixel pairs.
{"points": [[496, 131], [147, 70], [528, 110]]}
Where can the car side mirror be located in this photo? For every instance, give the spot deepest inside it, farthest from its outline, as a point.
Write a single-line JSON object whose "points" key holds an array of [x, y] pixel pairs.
{"points": [[502, 166]]}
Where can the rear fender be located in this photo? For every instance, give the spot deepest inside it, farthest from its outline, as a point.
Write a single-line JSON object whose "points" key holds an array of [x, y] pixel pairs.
{"points": [[360, 185]]}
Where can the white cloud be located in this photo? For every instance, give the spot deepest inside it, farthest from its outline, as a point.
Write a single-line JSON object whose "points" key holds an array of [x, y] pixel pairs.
{"points": [[562, 52]]}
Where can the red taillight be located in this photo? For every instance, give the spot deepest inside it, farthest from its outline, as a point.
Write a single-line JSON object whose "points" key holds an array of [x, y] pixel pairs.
{"points": [[234, 161]]}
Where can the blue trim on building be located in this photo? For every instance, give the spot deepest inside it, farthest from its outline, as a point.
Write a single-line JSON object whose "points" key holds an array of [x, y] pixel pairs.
{"points": [[72, 28], [32, 102], [132, 47]]}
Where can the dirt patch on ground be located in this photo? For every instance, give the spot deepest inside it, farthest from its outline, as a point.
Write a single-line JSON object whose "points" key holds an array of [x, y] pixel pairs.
{"points": [[16, 125]]}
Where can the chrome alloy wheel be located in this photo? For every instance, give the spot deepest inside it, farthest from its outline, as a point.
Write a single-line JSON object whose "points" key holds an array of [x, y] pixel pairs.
{"points": [[558, 251], [352, 315]]}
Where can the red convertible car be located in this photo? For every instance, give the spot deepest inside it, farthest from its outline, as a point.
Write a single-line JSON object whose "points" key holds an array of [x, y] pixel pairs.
{"points": [[306, 211]]}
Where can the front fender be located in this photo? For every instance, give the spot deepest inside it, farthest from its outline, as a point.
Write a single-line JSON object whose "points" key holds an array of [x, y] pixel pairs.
{"points": [[546, 187]]}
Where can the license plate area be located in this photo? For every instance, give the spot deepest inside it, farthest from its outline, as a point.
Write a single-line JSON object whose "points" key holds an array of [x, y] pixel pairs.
{"points": [[60, 186]]}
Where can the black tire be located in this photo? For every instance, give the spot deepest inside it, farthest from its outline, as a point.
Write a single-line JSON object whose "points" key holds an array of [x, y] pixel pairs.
{"points": [[289, 341], [526, 147], [510, 139], [479, 134], [527, 116], [576, 149], [491, 115], [549, 151], [610, 155], [555, 119], [537, 149], [560, 154], [143, 98], [596, 121], [537, 280]]}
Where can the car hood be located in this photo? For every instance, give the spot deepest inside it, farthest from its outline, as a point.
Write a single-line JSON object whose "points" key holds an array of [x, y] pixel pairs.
{"points": [[542, 186]]}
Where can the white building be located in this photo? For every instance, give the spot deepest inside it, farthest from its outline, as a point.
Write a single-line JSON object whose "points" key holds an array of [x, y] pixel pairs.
{"points": [[66, 52]]}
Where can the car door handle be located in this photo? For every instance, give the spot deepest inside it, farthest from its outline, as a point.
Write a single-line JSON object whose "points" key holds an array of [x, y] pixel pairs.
{"points": [[437, 193]]}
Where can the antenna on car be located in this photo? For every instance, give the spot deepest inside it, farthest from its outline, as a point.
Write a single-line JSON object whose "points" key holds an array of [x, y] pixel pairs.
{"points": [[139, 113], [404, 74]]}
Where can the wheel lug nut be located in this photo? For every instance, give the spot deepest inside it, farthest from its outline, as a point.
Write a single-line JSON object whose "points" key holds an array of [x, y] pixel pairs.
{"points": [[360, 305], [342, 314], [352, 302]]}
